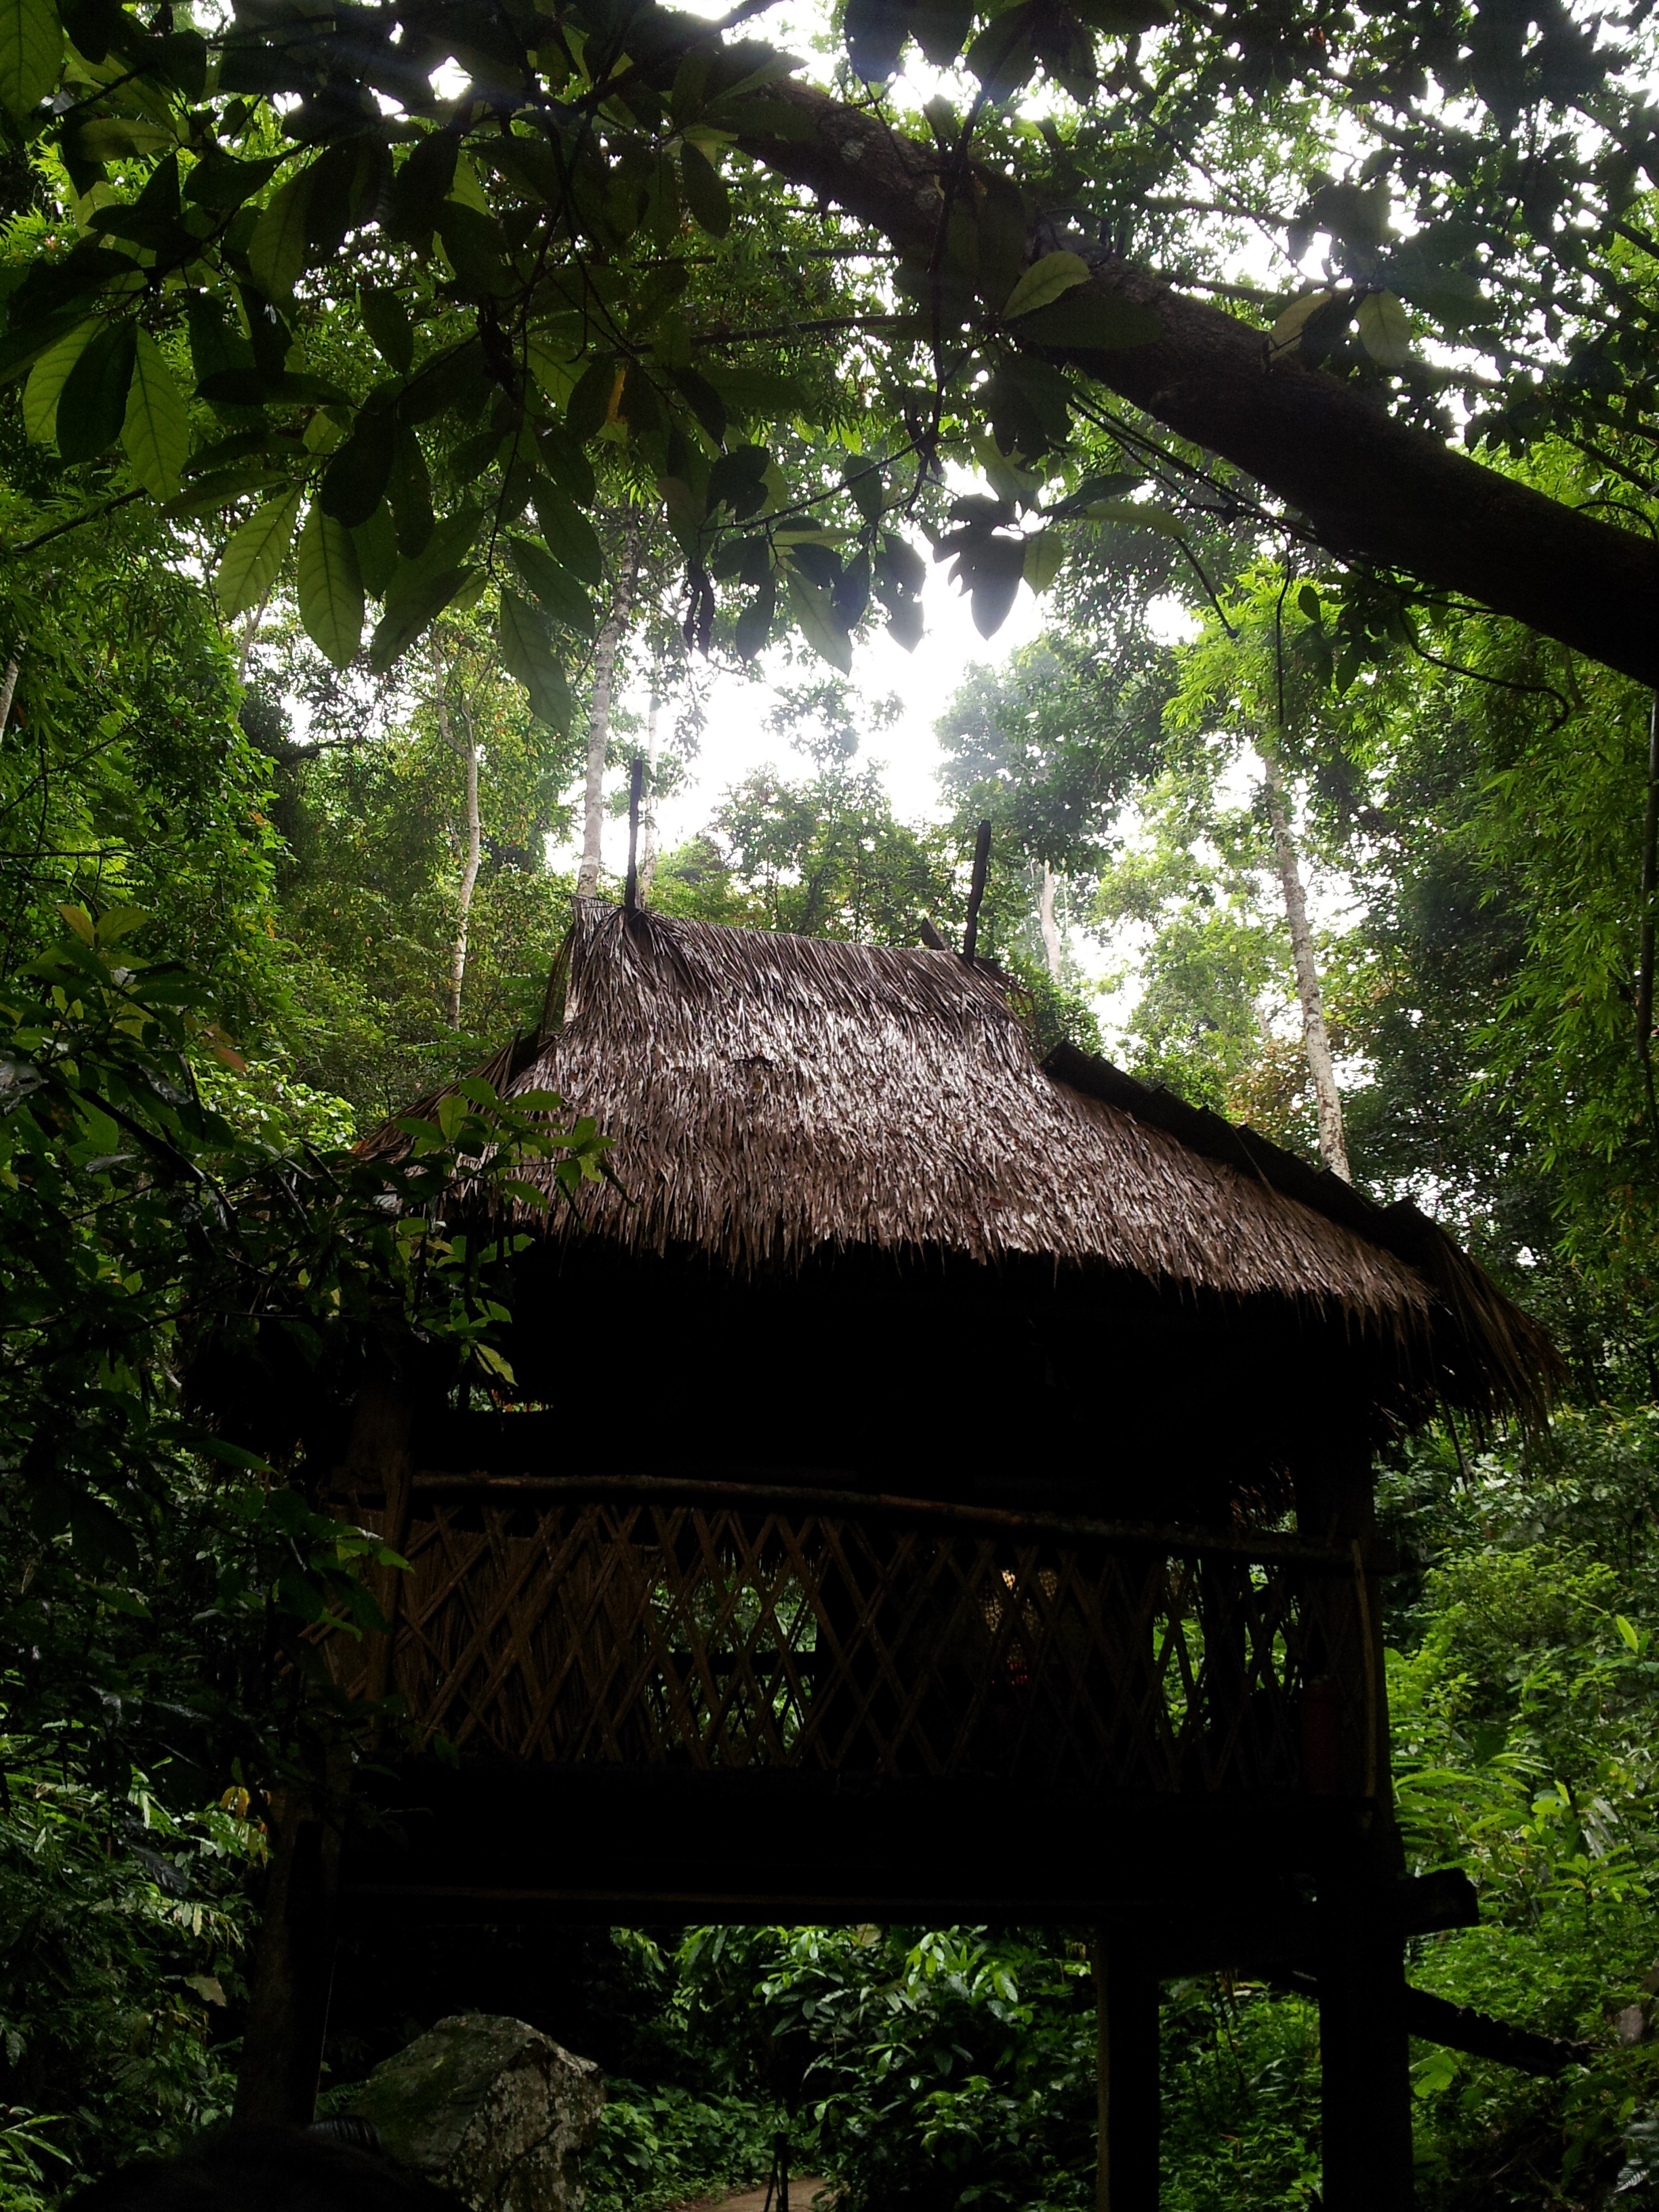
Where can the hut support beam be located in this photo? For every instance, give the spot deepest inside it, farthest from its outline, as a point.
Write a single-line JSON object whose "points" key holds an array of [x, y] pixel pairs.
{"points": [[1126, 2055], [1365, 2100], [293, 1961]]}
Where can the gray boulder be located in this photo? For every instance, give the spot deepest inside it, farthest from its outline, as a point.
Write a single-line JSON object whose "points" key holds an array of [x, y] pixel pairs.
{"points": [[491, 2109]]}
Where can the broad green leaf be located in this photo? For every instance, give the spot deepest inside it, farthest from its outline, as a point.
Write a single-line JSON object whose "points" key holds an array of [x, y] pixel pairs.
{"points": [[31, 53], [527, 655], [386, 320], [476, 249], [1045, 280], [354, 481], [1295, 319], [46, 380], [814, 611], [571, 537], [276, 251], [330, 587], [1135, 514], [120, 139], [93, 404], [219, 182], [1044, 556], [1385, 330], [207, 495], [376, 541], [155, 434], [705, 192], [255, 554], [557, 590], [414, 601], [555, 375]]}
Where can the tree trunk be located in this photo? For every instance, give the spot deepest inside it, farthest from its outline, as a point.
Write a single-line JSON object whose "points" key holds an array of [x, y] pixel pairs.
{"points": [[1315, 1042], [469, 754], [598, 720], [1051, 944], [648, 827], [1372, 488], [8, 689]]}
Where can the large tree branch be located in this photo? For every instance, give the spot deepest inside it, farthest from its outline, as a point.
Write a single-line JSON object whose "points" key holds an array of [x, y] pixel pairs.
{"points": [[1372, 489]]}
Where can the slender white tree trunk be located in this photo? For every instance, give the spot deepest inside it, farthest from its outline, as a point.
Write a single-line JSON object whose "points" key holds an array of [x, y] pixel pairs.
{"points": [[469, 753], [8, 687], [598, 720], [250, 631], [648, 827], [1051, 944], [1315, 1040], [468, 878]]}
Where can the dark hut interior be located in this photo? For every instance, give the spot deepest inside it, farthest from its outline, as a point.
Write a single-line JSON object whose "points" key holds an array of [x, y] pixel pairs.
{"points": [[971, 1517]]}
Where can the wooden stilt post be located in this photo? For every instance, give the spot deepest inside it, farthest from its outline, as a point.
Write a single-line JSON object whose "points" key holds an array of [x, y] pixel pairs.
{"points": [[1365, 2049], [1365, 2123], [294, 1960], [1125, 2059]]}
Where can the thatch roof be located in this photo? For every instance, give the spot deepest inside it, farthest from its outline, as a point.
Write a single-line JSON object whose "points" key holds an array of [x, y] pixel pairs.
{"points": [[776, 1098]]}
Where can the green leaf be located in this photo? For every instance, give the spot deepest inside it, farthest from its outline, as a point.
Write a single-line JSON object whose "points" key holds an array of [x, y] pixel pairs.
{"points": [[330, 587], [1385, 330], [992, 571], [571, 537], [221, 182], [93, 404], [156, 434], [386, 320], [255, 554], [46, 380], [376, 541], [700, 397], [476, 248], [705, 192], [1135, 514], [1309, 602], [1044, 555], [207, 495], [814, 613], [1295, 319], [527, 655], [119, 138], [412, 603], [558, 590], [276, 251], [1003, 56], [354, 481], [1044, 281], [31, 53]]}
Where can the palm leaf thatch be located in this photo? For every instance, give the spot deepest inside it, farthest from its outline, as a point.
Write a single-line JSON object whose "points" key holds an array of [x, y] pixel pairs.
{"points": [[775, 1099]]}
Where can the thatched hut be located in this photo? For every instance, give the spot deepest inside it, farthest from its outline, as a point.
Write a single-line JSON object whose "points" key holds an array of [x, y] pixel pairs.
{"points": [[849, 1187], [940, 1484]]}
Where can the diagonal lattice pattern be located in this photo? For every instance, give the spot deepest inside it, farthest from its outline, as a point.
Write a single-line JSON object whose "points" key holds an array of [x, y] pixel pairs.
{"points": [[715, 1636]]}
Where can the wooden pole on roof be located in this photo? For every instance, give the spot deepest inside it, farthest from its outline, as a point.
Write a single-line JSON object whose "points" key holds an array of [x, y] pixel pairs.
{"points": [[976, 889], [635, 786]]}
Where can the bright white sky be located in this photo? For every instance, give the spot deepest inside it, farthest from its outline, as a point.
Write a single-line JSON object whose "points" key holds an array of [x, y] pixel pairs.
{"points": [[735, 740]]}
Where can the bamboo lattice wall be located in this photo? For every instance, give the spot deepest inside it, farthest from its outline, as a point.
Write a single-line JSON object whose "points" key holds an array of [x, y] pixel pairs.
{"points": [[700, 1632]]}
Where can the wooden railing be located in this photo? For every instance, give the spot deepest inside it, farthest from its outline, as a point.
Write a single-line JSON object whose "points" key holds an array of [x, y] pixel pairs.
{"points": [[719, 1625]]}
